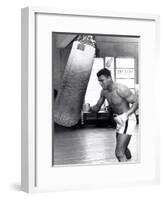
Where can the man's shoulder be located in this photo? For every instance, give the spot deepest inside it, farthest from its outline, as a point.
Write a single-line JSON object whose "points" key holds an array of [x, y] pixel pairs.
{"points": [[121, 88]]}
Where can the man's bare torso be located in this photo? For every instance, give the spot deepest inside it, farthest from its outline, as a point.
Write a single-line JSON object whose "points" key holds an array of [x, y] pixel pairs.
{"points": [[118, 104]]}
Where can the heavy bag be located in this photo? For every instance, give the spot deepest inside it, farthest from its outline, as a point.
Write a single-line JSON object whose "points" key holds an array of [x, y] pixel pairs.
{"points": [[70, 98]]}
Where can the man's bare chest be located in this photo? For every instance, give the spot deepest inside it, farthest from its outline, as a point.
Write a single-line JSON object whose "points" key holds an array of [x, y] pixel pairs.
{"points": [[113, 98]]}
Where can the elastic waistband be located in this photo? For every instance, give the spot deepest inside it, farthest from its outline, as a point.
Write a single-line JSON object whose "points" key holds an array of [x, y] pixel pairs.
{"points": [[131, 116]]}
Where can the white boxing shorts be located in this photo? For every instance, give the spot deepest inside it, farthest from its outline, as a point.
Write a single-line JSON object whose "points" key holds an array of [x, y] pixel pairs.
{"points": [[127, 127]]}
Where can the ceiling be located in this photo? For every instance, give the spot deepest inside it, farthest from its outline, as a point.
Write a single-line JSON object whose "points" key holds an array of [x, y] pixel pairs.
{"points": [[63, 40]]}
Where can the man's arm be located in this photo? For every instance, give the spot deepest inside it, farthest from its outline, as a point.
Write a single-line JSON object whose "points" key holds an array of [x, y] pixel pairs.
{"points": [[131, 98], [99, 103]]}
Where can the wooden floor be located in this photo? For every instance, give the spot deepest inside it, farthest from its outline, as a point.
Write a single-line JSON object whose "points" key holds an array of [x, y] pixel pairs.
{"points": [[89, 145]]}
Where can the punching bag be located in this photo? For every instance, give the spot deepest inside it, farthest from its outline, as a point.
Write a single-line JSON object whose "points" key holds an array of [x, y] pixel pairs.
{"points": [[70, 98]]}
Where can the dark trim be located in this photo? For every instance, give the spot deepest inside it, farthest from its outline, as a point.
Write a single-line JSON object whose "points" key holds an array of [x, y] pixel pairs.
{"points": [[126, 126]]}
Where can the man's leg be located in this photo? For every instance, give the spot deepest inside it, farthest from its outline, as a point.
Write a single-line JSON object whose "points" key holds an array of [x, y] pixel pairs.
{"points": [[122, 152]]}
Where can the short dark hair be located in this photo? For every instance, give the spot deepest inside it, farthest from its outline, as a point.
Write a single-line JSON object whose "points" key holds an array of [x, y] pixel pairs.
{"points": [[104, 72]]}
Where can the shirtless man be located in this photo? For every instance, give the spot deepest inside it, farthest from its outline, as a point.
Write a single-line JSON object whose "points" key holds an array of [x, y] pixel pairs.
{"points": [[119, 98]]}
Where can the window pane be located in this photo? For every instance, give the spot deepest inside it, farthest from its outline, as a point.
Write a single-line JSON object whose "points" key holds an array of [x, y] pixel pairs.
{"points": [[124, 62], [109, 64], [124, 73]]}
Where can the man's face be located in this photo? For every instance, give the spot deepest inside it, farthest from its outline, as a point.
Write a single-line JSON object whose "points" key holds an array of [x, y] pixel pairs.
{"points": [[104, 81]]}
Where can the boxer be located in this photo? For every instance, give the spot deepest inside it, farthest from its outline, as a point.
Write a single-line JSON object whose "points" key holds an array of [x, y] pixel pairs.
{"points": [[124, 104]]}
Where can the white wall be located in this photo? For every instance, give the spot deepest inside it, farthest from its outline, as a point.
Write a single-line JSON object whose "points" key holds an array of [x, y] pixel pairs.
{"points": [[10, 99]]}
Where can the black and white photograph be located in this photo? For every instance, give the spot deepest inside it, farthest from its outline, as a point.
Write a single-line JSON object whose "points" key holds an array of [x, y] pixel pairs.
{"points": [[95, 99]]}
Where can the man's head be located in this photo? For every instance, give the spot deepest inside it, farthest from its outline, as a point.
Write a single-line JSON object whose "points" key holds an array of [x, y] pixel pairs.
{"points": [[104, 78]]}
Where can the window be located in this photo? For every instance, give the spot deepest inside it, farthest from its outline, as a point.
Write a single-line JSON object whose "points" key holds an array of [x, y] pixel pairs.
{"points": [[125, 72]]}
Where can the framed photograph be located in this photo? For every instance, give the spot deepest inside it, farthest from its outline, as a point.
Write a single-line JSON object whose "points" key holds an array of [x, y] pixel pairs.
{"points": [[89, 99]]}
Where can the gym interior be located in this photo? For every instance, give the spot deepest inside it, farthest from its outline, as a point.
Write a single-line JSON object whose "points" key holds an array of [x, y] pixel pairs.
{"points": [[92, 139]]}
